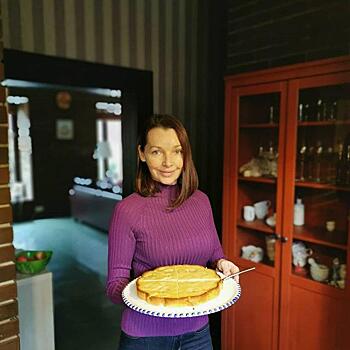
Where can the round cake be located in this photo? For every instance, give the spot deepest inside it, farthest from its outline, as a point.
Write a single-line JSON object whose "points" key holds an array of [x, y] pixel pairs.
{"points": [[178, 285]]}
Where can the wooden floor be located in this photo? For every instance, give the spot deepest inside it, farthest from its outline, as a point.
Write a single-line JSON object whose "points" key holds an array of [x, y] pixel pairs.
{"points": [[84, 318]]}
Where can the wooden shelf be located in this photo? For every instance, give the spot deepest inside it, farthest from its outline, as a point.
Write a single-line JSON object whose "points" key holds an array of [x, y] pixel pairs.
{"points": [[258, 125], [321, 186], [336, 239], [325, 123], [308, 283], [256, 225], [266, 180]]}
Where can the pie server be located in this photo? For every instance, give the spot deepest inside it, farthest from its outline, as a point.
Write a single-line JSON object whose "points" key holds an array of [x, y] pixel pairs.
{"points": [[237, 273]]}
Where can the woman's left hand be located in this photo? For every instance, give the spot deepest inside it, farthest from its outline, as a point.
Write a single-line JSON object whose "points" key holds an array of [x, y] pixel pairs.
{"points": [[228, 268]]}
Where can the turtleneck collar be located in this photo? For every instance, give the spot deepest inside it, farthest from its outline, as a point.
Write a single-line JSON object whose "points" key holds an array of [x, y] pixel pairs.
{"points": [[163, 186], [168, 190]]}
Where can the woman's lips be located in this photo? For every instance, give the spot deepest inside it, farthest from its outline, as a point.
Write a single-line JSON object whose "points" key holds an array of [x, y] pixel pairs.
{"points": [[167, 173]]}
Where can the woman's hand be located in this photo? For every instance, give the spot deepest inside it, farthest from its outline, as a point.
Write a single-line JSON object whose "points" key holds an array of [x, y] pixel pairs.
{"points": [[227, 267]]}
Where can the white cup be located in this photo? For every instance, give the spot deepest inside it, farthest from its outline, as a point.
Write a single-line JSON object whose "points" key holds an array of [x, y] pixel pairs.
{"points": [[330, 225], [248, 213], [262, 209]]}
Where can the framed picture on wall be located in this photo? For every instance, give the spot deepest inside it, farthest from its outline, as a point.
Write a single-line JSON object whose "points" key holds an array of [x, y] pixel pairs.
{"points": [[64, 129]]}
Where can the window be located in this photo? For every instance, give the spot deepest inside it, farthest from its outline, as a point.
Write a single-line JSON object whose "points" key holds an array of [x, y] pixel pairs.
{"points": [[108, 154], [20, 150]]}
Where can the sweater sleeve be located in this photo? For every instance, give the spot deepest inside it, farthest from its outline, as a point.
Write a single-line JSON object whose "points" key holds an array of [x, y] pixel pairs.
{"points": [[121, 248], [218, 252]]}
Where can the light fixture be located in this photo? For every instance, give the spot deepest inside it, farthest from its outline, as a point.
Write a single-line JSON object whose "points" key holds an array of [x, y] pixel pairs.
{"points": [[17, 100], [112, 108]]}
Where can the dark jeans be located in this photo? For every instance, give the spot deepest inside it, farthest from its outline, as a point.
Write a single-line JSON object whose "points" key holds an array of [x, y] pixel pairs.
{"points": [[198, 340]]}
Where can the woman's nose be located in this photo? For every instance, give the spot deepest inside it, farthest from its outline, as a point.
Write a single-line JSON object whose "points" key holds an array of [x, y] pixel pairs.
{"points": [[167, 161]]}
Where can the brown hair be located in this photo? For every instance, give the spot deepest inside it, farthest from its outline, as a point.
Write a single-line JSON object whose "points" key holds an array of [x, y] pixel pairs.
{"points": [[188, 180]]}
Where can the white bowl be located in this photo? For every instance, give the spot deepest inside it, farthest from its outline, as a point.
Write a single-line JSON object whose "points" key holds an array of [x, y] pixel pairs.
{"points": [[319, 272], [271, 221]]}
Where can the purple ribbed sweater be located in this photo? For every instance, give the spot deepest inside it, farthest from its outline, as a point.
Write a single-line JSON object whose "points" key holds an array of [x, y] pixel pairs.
{"points": [[144, 235]]}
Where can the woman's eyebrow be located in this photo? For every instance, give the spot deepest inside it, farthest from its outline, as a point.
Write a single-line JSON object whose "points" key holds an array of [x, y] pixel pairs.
{"points": [[155, 146]]}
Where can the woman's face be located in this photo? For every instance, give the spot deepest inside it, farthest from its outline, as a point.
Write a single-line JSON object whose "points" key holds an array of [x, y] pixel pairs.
{"points": [[163, 155]]}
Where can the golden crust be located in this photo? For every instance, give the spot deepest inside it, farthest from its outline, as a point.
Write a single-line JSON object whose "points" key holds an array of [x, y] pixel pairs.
{"points": [[178, 285]]}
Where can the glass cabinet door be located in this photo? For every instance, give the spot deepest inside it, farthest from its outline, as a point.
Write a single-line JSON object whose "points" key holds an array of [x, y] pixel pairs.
{"points": [[322, 184], [257, 210], [259, 167], [316, 212]]}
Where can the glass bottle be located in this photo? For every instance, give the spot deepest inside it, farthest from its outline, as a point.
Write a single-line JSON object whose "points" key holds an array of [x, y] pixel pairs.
{"points": [[319, 110], [329, 166], [347, 168], [335, 272], [301, 162], [272, 160], [299, 213], [318, 162], [271, 153], [332, 110], [310, 158], [300, 113], [306, 112], [325, 109], [340, 164], [260, 152], [271, 115]]}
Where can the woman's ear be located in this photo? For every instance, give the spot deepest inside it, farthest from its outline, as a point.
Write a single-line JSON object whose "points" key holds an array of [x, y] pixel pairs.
{"points": [[141, 154]]}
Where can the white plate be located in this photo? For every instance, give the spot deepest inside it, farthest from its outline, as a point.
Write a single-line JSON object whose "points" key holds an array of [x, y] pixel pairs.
{"points": [[229, 294]]}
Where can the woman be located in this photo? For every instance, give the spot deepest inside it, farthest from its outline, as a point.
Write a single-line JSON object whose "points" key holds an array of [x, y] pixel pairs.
{"points": [[167, 221]]}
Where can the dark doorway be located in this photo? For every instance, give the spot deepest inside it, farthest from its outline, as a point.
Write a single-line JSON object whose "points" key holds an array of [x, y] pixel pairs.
{"points": [[79, 263], [42, 77]]}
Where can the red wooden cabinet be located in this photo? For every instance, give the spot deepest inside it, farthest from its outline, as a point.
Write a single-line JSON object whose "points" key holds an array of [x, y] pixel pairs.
{"points": [[287, 136]]}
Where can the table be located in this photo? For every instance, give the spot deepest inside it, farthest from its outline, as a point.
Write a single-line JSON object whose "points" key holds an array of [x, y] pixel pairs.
{"points": [[35, 309]]}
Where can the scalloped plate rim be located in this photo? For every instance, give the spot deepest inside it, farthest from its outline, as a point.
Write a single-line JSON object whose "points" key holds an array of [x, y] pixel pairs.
{"points": [[180, 312]]}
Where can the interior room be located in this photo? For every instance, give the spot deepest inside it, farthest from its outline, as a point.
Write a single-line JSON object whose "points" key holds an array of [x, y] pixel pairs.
{"points": [[83, 171], [262, 87], [56, 220]]}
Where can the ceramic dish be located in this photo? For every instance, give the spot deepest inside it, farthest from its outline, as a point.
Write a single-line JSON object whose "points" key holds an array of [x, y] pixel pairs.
{"points": [[229, 294], [271, 221]]}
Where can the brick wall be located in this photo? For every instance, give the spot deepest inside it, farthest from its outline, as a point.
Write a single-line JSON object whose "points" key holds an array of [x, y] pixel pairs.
{"points": [[267, 33], [9, 323]]}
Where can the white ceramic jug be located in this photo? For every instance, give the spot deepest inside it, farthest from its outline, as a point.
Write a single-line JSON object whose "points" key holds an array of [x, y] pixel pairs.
{"points": [[300, 254]]}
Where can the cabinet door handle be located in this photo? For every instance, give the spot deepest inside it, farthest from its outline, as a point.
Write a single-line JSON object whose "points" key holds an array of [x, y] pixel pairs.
{"points": [[280, 238], [284, 239], [277, 236]]}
